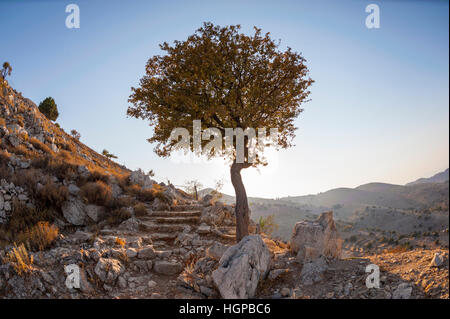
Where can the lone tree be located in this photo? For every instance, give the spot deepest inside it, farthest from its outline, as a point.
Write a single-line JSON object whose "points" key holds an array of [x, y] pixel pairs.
{"points": [[108, 154], [192, 187], [75, 134], [49, 108], [226, 79], [6, 70]]}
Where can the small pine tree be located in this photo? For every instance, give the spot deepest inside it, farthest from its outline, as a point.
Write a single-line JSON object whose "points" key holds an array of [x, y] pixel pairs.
{"points": [[49, 108]]}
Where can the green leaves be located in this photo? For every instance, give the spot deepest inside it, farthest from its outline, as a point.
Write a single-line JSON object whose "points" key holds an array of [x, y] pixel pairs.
{"points": [[224, 78], [49, 108]]}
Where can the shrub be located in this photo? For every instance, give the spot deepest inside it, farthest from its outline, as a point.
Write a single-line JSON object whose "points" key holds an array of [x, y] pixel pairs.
{"points": [[53, 194], [117, 216], [145, 195], [20, 260], [107, 154], [140, 209], [97, 193], [267, 224], [22, 217], [49, 108], [27, 179], [123, 201], [4, 156], [39, 237], [75, 134], [39, 145], [97, 175]]}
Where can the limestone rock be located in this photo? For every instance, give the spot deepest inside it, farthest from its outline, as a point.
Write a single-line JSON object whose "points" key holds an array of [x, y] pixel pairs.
{"points": [[167, 267], [403, 291], [146, 253], [96, 213], [108, 269], [312, 239], [437, 260], [74, 213], [216, 251], [241, 268], [312, 272]]}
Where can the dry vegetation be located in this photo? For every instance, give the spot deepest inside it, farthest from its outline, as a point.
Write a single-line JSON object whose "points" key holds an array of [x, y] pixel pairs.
{"points": [[19, 258], [39, 237]]}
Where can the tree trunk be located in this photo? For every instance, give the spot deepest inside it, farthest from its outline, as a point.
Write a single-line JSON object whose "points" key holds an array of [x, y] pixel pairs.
{"points": [[241, 209]]}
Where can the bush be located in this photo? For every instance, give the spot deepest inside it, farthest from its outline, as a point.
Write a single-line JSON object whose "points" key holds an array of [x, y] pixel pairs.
{"points": [[53, 194], [39, 237], [49, 108], [75, 134], [97, 193], [22, 217], [39, 145], [140, 209], [117, 216], [20, 260], [267, 224]]}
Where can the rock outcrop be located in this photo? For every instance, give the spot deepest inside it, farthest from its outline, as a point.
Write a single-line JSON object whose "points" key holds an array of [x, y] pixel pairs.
{"points": [[312, 239], [241, 268]]}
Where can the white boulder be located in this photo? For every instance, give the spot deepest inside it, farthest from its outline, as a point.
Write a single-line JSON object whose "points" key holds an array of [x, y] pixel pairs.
{"points": [[241, 268]]}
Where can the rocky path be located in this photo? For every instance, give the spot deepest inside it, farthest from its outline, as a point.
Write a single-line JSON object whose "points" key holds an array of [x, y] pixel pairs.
{"points": [[158, 246]]}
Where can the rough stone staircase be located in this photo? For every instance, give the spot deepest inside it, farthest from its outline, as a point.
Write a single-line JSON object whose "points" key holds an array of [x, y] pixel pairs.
{"points": [[164, 226]]}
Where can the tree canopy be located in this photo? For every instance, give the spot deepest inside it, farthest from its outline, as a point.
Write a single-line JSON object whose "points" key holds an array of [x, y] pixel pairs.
{"points": [[49, 108], [6, 70], [224, 78]]}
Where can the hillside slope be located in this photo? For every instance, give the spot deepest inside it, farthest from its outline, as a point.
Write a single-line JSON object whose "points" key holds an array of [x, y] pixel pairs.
{"points": [[437, 178]]}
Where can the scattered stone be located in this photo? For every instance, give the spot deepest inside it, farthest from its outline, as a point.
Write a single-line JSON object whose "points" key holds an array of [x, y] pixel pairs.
{"points": [[167, 267], [73, 212], [108, 269], [437, 260], [403, 291], [147, 253]]}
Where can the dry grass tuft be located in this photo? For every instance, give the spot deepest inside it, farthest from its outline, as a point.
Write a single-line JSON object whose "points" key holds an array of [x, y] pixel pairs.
{"points": [[39, 145], [39, 237], [98, 193], [19, 258]]}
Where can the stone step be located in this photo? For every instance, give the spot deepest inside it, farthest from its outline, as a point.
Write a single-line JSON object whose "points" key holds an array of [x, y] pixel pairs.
{"points": [[187, 207], [159, 239], [162, 228], [177, 220], [195, 213]]}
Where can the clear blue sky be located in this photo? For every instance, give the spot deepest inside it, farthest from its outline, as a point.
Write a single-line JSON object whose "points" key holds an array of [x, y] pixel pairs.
{"points": [[379, 109]]}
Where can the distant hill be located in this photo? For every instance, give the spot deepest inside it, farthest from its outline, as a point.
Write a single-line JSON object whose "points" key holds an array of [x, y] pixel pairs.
{"points": [[346, 203], [437, 178]]}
